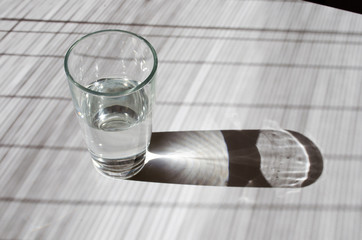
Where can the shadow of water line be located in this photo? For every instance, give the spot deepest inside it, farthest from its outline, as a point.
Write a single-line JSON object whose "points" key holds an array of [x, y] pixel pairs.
{"points": [[233, 158]]}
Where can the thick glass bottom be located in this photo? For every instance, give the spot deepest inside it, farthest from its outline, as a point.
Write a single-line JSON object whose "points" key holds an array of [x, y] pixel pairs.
{"points": [[120, 168]]}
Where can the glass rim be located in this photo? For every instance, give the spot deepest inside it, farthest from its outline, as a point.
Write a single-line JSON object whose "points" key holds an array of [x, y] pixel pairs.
{"points": [[119, 93]]}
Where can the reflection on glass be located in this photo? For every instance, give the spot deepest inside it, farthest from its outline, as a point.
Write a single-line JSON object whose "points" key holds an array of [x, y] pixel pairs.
{"points": [[246, 158]]}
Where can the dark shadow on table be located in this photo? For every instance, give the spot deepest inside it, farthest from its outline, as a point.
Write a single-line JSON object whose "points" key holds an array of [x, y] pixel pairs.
{"points": [[245, 158]]}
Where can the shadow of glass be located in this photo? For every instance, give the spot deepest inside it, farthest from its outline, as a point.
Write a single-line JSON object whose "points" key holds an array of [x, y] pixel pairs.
{"points": [[245, 158]]}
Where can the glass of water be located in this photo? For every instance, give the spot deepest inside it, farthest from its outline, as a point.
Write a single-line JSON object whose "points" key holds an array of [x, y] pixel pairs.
{"points": [[111, 76]]}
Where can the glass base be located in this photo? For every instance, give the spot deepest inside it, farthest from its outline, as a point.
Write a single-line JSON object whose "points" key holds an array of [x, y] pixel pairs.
{"points": [[120, 168]]}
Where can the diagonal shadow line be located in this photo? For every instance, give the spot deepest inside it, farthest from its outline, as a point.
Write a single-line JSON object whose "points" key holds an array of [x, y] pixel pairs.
{"points": [[45, 147], [342, 157], [213, 104], [253, 29], [221, 63], [110, 203], [231, 38]]}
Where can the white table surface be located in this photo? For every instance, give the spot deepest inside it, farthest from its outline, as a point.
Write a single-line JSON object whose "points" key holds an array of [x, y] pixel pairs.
{"points": [[228, 64]]}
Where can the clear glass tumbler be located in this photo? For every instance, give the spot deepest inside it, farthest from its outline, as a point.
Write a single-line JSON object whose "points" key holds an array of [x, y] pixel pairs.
{"points": [[111, 76]]}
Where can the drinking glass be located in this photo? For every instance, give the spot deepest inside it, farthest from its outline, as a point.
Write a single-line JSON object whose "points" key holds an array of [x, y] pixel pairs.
{"points": [[111, 76]]}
